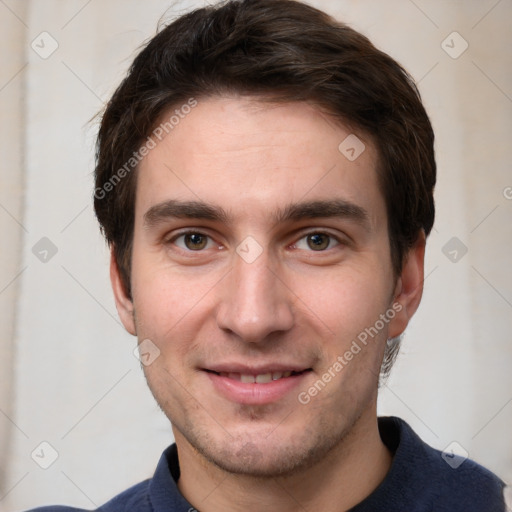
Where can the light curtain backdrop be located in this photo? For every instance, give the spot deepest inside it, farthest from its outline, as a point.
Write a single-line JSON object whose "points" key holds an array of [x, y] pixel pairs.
{"points": [[68, 376]]}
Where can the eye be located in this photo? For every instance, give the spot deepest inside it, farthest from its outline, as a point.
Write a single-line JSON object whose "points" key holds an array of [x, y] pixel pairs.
{"points": [[316, 242], [193, 241]]}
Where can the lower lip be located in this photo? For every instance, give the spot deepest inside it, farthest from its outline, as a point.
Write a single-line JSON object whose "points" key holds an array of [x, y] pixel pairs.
{"points": [[255, 394]]}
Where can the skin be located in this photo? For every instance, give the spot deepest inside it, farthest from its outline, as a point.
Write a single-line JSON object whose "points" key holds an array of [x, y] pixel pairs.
{"points": [[293, 305]]}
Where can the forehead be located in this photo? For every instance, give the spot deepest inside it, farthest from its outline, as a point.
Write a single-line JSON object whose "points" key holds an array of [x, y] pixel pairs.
{"points": [[253, 157]]}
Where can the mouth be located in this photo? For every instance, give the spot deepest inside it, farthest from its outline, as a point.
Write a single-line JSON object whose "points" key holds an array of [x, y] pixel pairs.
{"points": [[257, 386], [259, 378]]}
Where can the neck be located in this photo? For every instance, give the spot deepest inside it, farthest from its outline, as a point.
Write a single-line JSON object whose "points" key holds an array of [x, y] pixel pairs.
{"points": [[351, 471]]}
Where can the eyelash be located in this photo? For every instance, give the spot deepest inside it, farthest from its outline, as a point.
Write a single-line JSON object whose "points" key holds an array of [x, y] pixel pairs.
{"points": [[332, 238], [172, 240]]}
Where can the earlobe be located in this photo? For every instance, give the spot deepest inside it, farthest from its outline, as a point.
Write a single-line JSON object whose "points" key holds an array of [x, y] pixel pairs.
{"points": [[124, 303], [409, 288]]}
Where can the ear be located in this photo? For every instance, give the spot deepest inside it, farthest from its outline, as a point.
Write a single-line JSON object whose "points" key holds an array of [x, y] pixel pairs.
{"points": [[124, 303], [409, 288]]}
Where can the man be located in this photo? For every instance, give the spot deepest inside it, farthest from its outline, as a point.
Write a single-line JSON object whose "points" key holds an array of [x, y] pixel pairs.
{"points": [[265, 181]]}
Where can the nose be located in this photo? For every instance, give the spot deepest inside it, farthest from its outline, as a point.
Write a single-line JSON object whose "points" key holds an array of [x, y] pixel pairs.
{"points": [[255, 303]]}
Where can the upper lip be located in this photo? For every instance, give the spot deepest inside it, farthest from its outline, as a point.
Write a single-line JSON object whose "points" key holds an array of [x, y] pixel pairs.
{"points": [[261, 369]]}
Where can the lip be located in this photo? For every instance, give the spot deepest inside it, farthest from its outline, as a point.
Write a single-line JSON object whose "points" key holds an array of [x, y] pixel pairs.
{"points": [[253, 393], [255, 370]]}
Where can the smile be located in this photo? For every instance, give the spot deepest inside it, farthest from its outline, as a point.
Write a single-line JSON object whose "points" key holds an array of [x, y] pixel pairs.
{"points": [[262, 378], [256, 387]]}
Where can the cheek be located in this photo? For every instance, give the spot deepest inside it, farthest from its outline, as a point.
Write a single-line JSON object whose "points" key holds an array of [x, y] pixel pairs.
{"points": [[168, 306], [346, 301]]}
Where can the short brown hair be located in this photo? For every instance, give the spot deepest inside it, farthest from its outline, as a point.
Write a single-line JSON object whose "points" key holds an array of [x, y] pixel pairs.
{"points": [[279, 50]]}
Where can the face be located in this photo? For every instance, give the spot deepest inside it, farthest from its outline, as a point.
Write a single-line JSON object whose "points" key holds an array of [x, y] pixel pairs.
{"points": [[260, 254]]}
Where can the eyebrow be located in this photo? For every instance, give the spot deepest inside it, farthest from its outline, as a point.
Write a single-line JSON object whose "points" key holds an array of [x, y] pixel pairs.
{"points": [[176, 209], [324, 209]]}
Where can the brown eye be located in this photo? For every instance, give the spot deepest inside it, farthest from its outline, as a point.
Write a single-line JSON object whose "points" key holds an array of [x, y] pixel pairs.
{"points": [[195, 241], [318, 241]]}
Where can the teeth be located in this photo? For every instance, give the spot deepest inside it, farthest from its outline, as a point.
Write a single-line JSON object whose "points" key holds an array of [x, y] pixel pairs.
{"points": [[262, 378]]}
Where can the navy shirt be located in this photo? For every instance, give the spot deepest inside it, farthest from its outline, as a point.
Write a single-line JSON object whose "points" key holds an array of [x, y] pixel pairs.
{"points": [[419, 480]]}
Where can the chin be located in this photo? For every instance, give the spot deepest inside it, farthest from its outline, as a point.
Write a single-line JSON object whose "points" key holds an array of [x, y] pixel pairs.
{"points": [[264, 455]]}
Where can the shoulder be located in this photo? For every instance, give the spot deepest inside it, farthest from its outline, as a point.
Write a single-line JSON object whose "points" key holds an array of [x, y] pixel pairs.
{"points": [[134, 498], [157, 493], [464, 483], [447, 481]]}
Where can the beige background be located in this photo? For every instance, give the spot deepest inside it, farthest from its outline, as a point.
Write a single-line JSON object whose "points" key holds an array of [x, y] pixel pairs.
{"points": [[67, 372]]}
